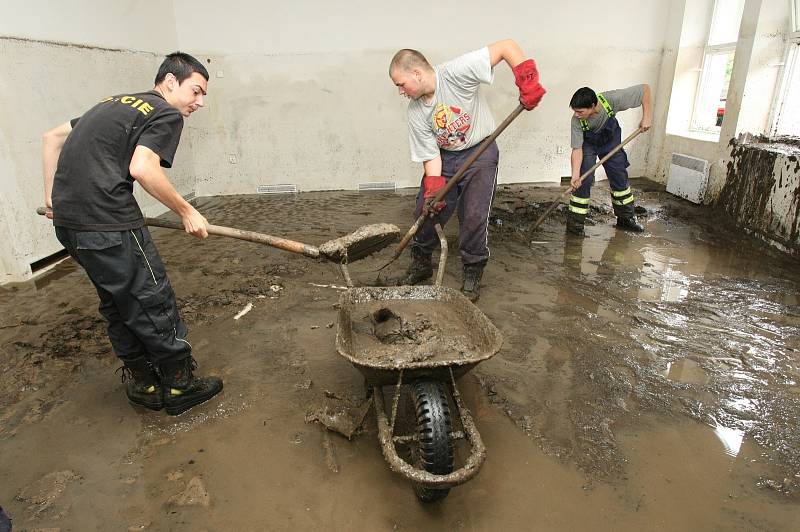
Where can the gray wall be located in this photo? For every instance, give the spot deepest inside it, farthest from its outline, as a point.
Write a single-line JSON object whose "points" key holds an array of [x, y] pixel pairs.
{"points": [[299, 91]]}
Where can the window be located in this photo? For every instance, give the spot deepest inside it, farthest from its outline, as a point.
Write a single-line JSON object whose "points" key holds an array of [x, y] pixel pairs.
{"points": [[712, 90], [786, 118]]}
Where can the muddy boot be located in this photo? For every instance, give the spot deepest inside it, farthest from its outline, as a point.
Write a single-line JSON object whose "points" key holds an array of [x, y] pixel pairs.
{"points": [[420, 269], [142, 385], [182, 390], [575, 223], [629, 223], [472, 280]]}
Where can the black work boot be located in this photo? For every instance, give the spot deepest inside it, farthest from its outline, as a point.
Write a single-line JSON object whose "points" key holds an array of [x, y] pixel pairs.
{"points": [[472, 280], [629, 223], [575, 223], [182, 390], [142, 385], [420, 269]]}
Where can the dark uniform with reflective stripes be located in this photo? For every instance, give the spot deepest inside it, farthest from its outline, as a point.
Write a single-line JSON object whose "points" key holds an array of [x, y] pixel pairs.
{"points": [[597, 144], [100, 224]]}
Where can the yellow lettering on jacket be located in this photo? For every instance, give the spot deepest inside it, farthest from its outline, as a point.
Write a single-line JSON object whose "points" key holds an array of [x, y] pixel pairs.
{"points": [[145, 108], [127, 99]]}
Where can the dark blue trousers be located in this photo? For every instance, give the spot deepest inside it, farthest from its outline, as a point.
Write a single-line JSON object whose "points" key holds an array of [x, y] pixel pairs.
{"points": [[472, 197]]}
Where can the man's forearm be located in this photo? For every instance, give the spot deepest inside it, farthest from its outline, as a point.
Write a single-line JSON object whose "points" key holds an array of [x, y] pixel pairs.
{"points": [[433, 167], [50, 154], [156, 183], [647, 103], [576, 157], [507, 50], [52, 142]]}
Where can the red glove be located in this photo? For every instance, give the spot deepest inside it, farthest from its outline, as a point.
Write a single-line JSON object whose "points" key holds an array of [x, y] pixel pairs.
{"points": [[431, 185], [527, 79]]}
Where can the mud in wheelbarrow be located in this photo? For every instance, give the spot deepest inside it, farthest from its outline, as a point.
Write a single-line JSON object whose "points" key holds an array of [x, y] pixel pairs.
{"points": [[419, 339]]}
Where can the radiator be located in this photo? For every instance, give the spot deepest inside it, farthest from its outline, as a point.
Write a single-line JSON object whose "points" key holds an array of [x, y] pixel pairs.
{"points": [[688, 177]]}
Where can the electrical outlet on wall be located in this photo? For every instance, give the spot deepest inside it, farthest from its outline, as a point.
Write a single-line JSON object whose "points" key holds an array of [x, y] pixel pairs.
{"points": [[232, 158]]}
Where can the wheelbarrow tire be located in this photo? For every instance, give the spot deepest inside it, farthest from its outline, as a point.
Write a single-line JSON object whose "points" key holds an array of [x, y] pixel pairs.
{"points": [[434, 429]]}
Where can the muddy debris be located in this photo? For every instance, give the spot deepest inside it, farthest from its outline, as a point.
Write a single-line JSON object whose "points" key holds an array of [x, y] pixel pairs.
{"points": [[340, 416], [43, 496], [401, 332], [194, 494]]}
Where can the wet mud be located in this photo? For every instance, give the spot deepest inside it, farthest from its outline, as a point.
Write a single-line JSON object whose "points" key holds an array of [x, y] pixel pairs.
{"points": [[762, 190], [409, 331], [645, 380]]}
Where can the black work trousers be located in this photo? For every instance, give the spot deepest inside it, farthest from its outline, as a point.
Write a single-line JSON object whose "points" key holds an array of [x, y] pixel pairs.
{"points": [[136, 296]]}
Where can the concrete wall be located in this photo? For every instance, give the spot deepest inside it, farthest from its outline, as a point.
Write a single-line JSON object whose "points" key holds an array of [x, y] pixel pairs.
{"points": [[299, 91], [305, 96], [127, 24], [43, 85]]}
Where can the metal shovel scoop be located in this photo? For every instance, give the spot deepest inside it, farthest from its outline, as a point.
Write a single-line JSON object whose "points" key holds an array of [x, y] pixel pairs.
{"points": [[357, 245]]}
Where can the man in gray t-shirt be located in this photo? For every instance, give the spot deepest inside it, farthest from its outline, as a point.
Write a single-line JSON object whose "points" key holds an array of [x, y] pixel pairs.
{"points": [[594, 132], [448, 118]]}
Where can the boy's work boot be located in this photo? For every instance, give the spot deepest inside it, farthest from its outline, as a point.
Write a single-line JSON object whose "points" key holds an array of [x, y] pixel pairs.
{"points": [[420, 269], [142, 385], [629, 223], [575, 223], [472, 280], [182, 390]]}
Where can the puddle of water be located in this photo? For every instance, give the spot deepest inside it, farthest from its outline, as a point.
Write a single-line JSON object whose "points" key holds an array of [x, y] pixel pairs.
{"points": [[731, 439], [686, 370]]}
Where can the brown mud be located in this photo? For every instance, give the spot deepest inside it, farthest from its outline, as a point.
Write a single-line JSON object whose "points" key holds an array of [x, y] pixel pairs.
{"points": [[411, 331], [646, 381]]}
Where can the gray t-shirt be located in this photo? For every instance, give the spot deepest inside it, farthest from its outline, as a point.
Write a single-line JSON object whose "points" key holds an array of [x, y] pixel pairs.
{"points": [[620, 100], [457, 117]]}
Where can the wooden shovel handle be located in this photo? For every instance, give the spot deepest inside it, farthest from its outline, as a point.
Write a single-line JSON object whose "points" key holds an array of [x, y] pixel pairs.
{"points": [[241, 234], [250, 236]]}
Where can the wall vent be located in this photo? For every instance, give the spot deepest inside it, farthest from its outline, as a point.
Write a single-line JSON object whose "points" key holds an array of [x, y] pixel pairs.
{"points": [[688, 177], [377, 185], [276, 189]]}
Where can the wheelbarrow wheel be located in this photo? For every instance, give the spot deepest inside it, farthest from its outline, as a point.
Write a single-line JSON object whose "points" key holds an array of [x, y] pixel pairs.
{"points": [[434, 451]]}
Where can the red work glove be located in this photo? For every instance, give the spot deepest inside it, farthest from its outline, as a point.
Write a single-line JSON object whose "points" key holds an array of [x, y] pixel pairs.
{"points": [[431, 185], [527, 79]]}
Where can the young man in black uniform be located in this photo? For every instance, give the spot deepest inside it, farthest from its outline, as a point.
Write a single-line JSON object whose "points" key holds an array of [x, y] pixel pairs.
{"points": [[90, 164]]}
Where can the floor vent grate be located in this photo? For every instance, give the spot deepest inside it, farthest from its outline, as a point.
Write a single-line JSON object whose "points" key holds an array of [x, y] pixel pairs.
{"points": [[276, 189], [377, 185]]}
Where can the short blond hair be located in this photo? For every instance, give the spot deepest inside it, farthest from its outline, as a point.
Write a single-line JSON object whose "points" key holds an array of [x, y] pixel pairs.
{"points": [[408, 59]]}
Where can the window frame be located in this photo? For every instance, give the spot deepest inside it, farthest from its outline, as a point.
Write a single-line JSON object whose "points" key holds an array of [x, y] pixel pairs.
{"points": [[791, 62], [708, 52]]}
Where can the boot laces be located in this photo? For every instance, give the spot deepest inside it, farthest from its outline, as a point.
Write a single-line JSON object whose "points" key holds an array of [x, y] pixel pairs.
{"points": [[125, 373]]}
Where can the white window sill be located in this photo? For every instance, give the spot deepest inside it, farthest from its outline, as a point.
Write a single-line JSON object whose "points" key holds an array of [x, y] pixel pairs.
{"points": [[697, 135]]}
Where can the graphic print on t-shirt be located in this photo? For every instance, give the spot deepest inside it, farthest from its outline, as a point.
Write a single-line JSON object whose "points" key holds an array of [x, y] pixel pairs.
{"points": [[450, 126]]}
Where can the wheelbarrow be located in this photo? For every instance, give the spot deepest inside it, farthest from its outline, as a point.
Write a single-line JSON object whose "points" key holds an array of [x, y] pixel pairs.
{"points": [[415, 342]]}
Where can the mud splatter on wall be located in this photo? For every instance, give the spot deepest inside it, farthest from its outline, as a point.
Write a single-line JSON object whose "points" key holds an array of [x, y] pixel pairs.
{"points": [[762, 189]]}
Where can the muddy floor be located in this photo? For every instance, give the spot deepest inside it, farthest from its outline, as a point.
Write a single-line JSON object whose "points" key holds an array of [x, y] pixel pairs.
{"points": [[646, 382]]}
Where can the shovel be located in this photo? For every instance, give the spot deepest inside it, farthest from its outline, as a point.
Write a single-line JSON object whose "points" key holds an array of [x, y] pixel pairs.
{"points": [[453, 181], [359, 244], [571, 189]]}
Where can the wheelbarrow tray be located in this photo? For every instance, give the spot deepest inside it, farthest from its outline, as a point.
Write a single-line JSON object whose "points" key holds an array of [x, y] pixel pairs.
{"points": [[459, 335]]}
